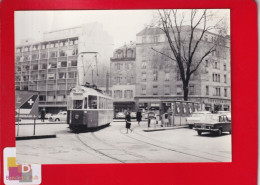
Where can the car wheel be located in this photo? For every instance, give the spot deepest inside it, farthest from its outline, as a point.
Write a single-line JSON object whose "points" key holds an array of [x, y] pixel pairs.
{"points": [[57, 119], [219, 132], [190, 126], [199, 132], [230, 131]]}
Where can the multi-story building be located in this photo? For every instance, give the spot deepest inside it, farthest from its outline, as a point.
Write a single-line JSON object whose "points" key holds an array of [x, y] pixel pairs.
{"points": [[158, 78], [122, 66], [51, 66]]}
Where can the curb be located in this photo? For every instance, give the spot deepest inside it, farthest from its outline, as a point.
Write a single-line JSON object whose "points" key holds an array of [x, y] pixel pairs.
{"points": [[35, 137], [165, 128]]}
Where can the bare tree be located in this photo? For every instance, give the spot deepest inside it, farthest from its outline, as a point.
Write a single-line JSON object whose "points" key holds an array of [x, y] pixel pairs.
{"points": [[185, 34]]}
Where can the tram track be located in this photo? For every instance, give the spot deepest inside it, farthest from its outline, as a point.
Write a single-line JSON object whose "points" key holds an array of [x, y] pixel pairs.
{"points": [[162, 147], [97, 151], [178, 145]]}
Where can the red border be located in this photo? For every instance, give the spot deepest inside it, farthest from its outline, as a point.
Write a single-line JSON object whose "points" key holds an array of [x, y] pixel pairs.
{"points": [[243, 169]]}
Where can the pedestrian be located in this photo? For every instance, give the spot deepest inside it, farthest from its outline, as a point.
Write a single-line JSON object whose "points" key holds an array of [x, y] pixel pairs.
{"points": [[139, 117], [128, 122], [42, 115]]}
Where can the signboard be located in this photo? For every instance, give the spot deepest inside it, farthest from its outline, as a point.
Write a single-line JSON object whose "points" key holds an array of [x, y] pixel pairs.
{"points": [[26, 103]]}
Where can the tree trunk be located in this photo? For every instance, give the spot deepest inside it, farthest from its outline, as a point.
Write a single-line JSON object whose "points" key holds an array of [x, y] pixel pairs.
{"points": [[185, 92]]}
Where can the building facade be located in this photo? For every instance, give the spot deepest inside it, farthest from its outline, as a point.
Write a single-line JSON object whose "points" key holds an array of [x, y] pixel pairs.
{"points": [[61, 60], [123, 79], [158, 78]]}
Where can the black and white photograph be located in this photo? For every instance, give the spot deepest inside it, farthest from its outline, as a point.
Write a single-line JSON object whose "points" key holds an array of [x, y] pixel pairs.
{"points": [[123, 86]]}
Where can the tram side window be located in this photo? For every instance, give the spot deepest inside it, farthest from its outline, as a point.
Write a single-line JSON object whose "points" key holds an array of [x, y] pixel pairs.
{"points": [[77, 104], [92, 102], [86, 103]]}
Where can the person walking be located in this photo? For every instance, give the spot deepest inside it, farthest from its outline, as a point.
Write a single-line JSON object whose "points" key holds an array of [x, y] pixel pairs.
{"points": [[128, 122], [42, 115], [139, 117]]}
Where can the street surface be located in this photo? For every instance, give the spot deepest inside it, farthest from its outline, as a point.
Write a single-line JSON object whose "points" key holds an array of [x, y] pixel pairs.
{"points": [[112, 145]]}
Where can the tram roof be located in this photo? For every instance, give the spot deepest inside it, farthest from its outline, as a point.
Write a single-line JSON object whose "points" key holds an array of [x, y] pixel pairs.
{"points": [[91, 91]]}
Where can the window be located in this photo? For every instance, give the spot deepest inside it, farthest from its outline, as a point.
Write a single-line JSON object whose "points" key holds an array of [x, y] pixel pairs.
{"points": [[155, 75], [117, 65], [62, 53], [206, 63], [74, 63], [155, 90], [213, 77], [51, 76], [74, 52], [63, 64], [72, 74], [218, 77], [35, 56], [128, 94], [43, 55], [225, 92], [225, 78], [50, 98], [167, 89], [129, 53], [52, 66], [179, 89], [92, 102], [77, 104], [35, 66], [216, 65], [225, 67], [143, 76], [191, 90], [117, 94], [144, 63], [53, 54], [117, 79], [62, 75], [143, 89], [217, 91], [42, 98], [207, 90], [167, 76]]}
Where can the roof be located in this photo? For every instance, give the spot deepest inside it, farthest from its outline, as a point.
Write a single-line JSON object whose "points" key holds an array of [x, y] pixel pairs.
{"points": [[150, 31], [130, 45]]}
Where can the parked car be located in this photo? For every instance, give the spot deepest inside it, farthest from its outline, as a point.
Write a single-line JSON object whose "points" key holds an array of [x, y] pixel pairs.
{"points": [[61, 116], [213, 123], [120, 115], [133, 114], [227, 113], [195, 117]]}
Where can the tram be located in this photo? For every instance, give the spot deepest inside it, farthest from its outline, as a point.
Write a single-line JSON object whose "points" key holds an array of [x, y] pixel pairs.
{"points": [[88, 107]]}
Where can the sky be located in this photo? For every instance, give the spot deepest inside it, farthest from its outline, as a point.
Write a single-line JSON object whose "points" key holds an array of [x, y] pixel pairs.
{"points": [[122, 25]]}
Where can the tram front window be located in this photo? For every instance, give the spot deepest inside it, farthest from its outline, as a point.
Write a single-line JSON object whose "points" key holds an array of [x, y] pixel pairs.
{"points": [[77, 104], [92, 102]]}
